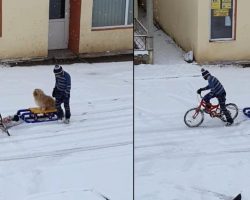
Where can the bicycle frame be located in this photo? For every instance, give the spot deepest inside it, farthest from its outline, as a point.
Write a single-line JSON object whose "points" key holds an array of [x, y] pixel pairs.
{"points": [[212, 111]]}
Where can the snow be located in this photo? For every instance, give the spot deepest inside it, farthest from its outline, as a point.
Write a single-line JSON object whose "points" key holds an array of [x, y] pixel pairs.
{"points": [[139, 52], [90, 158], [175, 162]]}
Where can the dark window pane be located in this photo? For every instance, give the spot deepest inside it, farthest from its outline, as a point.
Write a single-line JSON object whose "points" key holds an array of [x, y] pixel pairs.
{"points": [[56, 9], [222, 19]]}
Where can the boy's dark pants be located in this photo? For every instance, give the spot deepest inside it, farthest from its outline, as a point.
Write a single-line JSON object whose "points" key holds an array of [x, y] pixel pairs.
{"points": [[222, 101], [65, 100]]}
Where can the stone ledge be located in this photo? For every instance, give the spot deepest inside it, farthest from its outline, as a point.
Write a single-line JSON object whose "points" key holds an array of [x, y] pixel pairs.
{"points": [[67, 57]]}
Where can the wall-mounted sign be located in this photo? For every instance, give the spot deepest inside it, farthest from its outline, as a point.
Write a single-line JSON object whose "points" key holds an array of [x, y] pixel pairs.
{"points": [[228, 21], [226, 5], [216, 4], [220, 13]]}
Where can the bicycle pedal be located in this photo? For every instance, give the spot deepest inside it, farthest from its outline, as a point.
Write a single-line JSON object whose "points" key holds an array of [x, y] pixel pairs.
{"points": [[214, 114], [206, 111], [218, 115]]}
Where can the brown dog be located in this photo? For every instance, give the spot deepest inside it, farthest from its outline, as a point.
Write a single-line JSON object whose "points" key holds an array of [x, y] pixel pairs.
{"points": [[44, 101]]}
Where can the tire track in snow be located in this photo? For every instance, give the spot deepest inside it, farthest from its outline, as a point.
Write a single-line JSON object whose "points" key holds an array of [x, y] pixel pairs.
{"points": [[180, 141], [166, 77], [63, 151], [117, 120], [100, 128]]}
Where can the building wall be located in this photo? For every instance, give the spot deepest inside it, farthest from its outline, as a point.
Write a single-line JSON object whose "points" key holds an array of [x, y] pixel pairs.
{"points": [[92, 41], [179, 18], [188, 23], [24, 29], [227, 50]]}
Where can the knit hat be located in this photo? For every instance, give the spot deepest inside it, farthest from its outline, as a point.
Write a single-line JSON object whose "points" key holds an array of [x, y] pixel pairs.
{"points": [[58, 69], [205, 73]]}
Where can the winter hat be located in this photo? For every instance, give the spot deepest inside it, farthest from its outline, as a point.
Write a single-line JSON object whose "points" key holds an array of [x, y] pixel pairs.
{"points": [[205, 73], [58, 69]]}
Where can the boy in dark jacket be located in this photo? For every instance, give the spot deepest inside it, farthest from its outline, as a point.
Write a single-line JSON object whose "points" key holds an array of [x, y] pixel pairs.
{"points": [[62, 92], [216, 90]]}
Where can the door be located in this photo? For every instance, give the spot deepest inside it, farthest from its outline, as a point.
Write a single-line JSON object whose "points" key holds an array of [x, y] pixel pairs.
{"points": [[58, 24]]}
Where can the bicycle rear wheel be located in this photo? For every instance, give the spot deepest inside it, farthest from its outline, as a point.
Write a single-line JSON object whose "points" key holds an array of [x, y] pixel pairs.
{"points": [[194, 118], [233, 111]]}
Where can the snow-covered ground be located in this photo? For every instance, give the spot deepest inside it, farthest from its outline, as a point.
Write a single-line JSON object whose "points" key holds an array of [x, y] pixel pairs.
{"points": [[89, 158], [172, 161]]}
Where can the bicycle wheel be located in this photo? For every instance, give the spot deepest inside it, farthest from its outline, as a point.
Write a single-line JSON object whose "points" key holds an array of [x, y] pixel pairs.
{"points": [[193, 118], [233, 111]]}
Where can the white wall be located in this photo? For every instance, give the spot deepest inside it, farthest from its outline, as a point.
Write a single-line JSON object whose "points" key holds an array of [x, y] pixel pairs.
{"points": [[25, 29], [229, 50], [92, 41], [179, 18]]}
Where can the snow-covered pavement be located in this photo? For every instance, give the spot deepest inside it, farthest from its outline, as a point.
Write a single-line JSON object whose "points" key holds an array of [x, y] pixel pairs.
{"points": [[90, 158], [175, 162]]}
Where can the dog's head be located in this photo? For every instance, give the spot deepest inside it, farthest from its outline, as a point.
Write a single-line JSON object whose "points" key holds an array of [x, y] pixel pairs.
{"points": [[38, 93]]}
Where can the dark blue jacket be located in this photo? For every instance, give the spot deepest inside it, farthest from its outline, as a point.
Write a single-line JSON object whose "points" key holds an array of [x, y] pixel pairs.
{"points": [[63, 83], [215, 86]]}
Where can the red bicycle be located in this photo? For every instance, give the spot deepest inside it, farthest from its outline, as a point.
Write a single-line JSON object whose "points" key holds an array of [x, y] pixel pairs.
{"points": [[195, 116]]}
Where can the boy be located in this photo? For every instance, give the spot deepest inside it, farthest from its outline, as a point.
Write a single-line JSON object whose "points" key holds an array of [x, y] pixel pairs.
{"points": [[62, 92], [216, 90]]}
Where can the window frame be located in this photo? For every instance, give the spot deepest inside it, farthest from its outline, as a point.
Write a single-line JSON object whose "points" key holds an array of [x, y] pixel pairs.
{"points": [[111, 27], [233, 38], [1, 13]]}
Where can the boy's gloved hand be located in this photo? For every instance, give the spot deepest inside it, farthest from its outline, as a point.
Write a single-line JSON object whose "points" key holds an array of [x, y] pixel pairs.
{"points": [[55, 92], [199, 91]]}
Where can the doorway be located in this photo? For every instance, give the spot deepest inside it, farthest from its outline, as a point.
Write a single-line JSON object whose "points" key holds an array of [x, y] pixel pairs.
{"points": [[58, 24]]}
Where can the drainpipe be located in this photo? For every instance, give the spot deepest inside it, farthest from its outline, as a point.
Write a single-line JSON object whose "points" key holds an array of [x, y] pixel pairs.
{"points": [[136, 9], [150, 30]]}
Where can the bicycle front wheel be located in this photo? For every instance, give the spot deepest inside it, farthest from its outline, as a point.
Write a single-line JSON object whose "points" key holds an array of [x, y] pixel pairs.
{"points": [[194, 117]]}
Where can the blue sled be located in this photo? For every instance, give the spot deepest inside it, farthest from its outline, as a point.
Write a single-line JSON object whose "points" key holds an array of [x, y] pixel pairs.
{"points": [[246, 111], [35, 115]]}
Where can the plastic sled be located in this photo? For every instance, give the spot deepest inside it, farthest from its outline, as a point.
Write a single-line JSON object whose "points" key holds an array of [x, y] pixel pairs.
{"points": [[246, 111], [35, 115]]}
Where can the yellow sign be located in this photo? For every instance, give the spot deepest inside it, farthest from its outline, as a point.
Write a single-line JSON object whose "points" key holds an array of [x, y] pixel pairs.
{"points": [[221, 13], [215, 4], [226, 5]]}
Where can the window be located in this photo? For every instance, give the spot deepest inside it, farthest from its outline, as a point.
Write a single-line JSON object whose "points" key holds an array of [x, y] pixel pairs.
{"points": [[56, 9], [0, 18], [112, 13], [222, 20]]}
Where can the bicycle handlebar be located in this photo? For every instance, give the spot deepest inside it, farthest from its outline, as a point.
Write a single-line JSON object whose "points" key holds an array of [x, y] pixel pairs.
{"points": [[201, 96]]}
